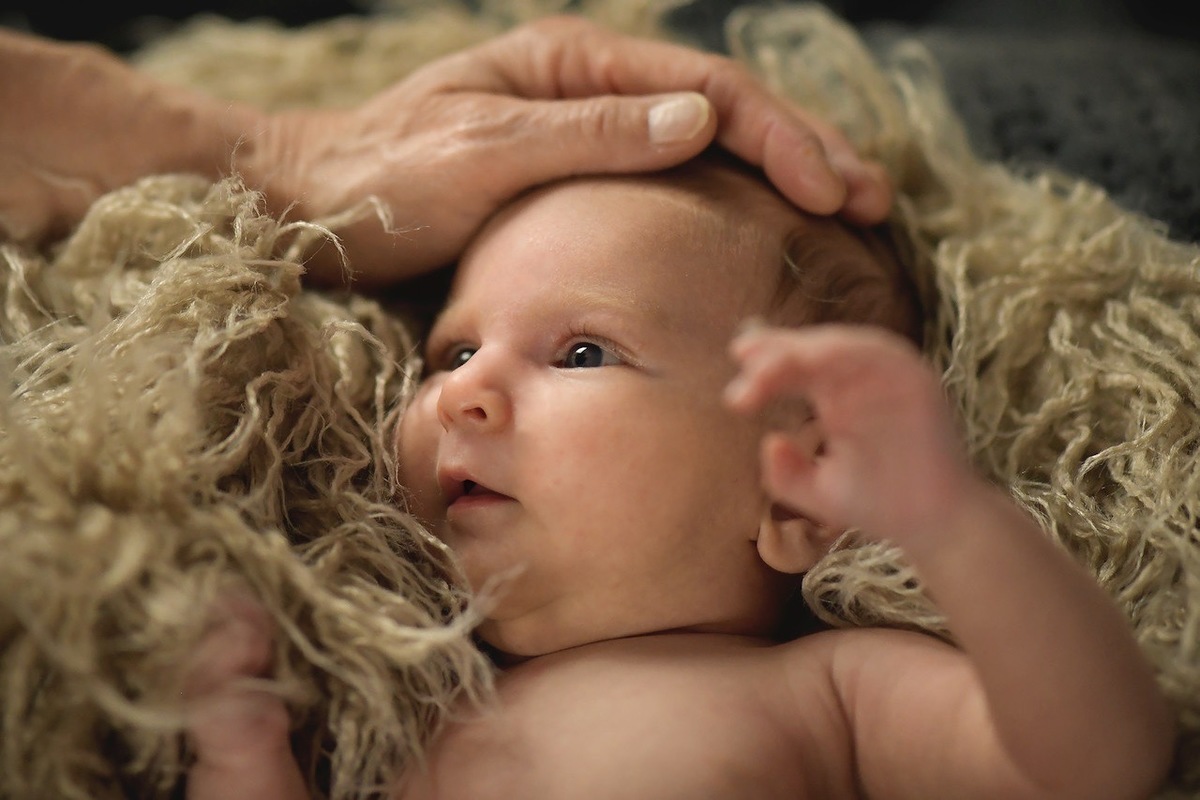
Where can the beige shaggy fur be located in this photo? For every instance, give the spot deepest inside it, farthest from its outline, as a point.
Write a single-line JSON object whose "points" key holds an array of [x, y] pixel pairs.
{"points": [[183, 415]]}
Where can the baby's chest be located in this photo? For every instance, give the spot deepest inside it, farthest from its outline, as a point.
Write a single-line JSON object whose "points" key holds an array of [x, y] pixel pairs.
{"points": [[666, 740], [640, 731]]}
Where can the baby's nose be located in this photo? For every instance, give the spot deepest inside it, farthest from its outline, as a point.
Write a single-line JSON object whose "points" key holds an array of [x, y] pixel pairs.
{"points": [[474, 396]]}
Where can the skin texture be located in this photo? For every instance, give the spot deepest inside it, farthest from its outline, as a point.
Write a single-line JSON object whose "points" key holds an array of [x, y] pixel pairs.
{"points": [[629, 486], [440, 151]]}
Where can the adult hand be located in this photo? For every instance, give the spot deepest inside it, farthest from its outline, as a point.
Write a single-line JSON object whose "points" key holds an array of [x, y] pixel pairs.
{"points": [[446, 147], [440, 150]]}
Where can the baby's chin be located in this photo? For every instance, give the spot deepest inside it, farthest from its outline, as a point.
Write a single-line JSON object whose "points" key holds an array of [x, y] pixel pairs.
{"points": [[524, 617]]}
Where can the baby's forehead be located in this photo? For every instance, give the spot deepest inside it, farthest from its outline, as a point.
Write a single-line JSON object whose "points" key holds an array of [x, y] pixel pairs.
{"points": [[722, 199], [698, 205], [683, 237], [812, 268], [693, 232]]}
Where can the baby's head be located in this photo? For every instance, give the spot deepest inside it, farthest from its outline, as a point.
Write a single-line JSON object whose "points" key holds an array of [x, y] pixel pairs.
{"points": [[825, 270], [570, 433]]}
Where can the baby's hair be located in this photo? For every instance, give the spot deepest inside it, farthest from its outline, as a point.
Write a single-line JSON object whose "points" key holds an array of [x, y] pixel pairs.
{"points": [[830, 270], [836, 273]]}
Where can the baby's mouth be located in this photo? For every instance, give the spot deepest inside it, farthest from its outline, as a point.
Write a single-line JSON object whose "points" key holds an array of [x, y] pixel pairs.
{"points": [[460, 487], [473, 490]]}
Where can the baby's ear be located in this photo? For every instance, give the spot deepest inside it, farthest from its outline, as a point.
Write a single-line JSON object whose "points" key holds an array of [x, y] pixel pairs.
{"points": [[790, 542]]}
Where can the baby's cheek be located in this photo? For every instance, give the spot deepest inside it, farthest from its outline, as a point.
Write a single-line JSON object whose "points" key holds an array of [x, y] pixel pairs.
{"points": [[416, 446]]}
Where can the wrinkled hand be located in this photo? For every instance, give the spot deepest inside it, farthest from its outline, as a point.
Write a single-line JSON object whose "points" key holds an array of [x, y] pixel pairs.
{"points": [[447, 146], [239, 733], [884, 455]]}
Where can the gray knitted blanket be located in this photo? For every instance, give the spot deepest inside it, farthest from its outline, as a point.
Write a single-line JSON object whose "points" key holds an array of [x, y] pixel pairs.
{"points": [[1120, 109], [1077, 86]]}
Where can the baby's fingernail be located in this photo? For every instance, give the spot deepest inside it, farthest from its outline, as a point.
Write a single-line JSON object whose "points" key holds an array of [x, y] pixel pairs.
{"points": [[678, 119], [735, 390], [744, 332], [750, 325]]}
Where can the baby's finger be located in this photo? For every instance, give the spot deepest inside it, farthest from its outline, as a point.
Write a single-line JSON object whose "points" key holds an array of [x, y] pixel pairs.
{"points": [[771, 363], [803, 479], [788, 471], [243, 751], [237, 645], [238, 729]]}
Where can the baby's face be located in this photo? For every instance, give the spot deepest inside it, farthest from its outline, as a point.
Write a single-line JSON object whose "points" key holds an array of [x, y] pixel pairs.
{"points": [[571, 425]]}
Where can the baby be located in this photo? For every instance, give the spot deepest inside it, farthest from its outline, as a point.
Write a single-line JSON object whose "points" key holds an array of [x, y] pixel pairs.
{"points": [[633, 478]]}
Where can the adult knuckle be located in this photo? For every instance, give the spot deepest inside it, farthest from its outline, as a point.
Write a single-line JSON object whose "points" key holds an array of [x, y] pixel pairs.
{"points": [[727, 78], [552, 32], [481, 126], [600, 121]]}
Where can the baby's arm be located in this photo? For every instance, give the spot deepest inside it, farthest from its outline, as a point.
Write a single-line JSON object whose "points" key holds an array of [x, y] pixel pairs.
{"points": [[1053, 698], [239, 733]]}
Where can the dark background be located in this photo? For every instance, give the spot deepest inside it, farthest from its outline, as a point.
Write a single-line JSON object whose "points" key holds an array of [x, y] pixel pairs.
{"points": [[1106, 89], [114, 23]]}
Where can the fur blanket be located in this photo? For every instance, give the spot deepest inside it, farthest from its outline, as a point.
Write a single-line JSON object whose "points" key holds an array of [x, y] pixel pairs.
{"points": [[183, 415]]}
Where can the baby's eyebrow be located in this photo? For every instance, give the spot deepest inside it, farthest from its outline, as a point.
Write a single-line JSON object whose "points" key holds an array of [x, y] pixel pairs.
{"points": [[612, 299]]}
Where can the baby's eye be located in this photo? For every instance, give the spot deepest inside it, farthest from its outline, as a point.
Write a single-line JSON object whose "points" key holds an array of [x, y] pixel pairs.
{"points": [[456, 357], [582, 355]]}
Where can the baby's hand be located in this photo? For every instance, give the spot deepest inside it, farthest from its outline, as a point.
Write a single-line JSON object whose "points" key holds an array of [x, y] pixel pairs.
{"points": [[880, 452], [239, 732]]}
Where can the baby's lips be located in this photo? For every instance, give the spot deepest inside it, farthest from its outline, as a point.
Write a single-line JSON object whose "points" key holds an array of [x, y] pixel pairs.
{"points": [[456, 483], [476, 489], [452, 483]]}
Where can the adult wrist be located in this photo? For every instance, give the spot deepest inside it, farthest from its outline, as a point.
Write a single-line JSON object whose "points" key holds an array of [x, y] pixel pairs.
{"points": [[133, 125]]}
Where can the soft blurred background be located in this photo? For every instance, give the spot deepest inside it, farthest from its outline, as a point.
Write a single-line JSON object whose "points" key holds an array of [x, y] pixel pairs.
{"points": [[122, 24]]}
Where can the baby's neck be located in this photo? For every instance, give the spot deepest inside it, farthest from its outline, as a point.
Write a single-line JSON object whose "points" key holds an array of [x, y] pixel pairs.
{"points": [[658, 639]]}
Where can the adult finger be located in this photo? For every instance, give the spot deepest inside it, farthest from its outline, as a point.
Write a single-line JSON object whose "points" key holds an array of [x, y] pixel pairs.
{"points": [[807, 159], [547, 139]]}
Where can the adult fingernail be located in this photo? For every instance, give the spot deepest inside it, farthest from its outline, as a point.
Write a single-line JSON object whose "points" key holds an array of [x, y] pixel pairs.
{"points": [[678, 119], [870, 190], [850, 169]]}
